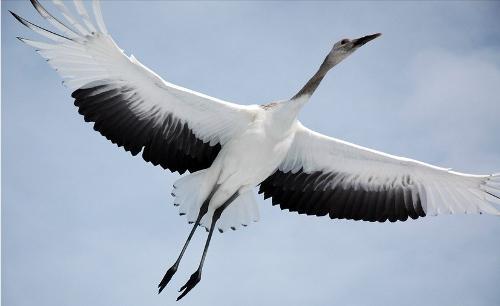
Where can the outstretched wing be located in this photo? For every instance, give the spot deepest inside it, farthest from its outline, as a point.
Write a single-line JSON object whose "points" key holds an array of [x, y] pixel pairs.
{"points": [[133, 107], [325, 176]]}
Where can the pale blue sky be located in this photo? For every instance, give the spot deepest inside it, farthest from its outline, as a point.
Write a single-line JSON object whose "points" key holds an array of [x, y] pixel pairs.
{"points": [[84, 223]]}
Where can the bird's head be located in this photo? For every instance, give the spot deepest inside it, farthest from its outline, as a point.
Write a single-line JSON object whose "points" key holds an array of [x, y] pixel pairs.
{"points": [[345, 47], [339, 52]]}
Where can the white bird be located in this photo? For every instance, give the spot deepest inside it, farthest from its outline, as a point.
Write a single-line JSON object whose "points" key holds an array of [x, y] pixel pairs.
{"points": [[229, 149]]}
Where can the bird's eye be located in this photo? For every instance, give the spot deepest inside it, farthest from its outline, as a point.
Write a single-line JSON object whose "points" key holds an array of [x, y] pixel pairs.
{"points": [[344, 41]]}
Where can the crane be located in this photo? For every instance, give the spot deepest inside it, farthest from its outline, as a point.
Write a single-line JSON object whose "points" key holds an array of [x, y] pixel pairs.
{"points": [[229, 149]]}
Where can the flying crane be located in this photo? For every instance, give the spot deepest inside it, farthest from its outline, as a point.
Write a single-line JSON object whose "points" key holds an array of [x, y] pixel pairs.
{"points": [[229, 149]]}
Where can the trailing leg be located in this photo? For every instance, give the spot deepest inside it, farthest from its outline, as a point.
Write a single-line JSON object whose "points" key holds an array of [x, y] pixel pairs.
{"points": [[168, 275], [196, 276]]}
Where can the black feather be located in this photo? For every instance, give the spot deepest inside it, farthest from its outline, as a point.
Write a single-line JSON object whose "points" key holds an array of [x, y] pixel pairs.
{"points": [[163, 139]]}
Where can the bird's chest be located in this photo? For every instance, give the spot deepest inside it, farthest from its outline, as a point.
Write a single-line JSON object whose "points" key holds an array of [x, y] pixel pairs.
{"points": [[256, 153]]}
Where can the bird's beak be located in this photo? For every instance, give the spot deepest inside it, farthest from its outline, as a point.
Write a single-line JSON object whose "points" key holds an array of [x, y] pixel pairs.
{"points": [[363, 40]]}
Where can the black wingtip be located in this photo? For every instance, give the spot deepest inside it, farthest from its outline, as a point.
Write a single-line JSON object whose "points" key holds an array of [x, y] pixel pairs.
{"points": [[39, 8], [20, 19], [30, 25], [16, 16]]}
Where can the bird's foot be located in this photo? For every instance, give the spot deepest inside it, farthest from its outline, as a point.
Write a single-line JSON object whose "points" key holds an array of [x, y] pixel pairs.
{"points": [[191, 283], [168, 276]]}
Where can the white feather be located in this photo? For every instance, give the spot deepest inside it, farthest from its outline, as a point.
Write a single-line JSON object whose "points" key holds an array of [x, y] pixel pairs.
{"points": [[444, 191], [98, 16], [80, 8], [69, 17]]}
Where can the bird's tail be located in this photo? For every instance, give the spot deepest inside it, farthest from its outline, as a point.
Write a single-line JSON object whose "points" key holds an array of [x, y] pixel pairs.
{"points": [[192, 190]]}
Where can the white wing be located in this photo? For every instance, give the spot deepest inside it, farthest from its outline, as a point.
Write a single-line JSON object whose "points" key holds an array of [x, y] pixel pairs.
{"points": [[132, 106], [323, 175]]}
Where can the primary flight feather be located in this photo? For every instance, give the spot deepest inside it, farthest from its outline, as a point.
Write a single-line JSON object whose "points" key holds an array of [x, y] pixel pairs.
{"points": [[229, 149]]}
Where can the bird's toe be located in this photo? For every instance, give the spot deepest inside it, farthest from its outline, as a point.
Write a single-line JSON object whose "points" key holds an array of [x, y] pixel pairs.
{"points": [[190, 284], [166, 278]]}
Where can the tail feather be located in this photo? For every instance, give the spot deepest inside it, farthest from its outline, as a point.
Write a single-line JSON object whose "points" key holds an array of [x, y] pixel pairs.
{"points": [[190, 192], [240, 213], [193, 189]]}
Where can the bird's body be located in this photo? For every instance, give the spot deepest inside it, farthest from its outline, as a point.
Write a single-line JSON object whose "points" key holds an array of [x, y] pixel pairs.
{"points": [[249, 158], [230, 149]]}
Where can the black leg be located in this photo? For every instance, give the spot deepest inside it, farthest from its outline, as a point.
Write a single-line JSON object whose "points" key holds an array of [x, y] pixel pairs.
{"points": [[196, 276], [168, 275]]}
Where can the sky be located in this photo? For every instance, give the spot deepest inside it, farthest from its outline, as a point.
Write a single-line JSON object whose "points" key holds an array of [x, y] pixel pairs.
{"points": [[84, 223]]}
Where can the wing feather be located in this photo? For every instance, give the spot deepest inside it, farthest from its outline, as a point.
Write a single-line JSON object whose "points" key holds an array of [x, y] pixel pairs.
{"points": [[98, 16], [354, 182], [130, 105], [69, 17], [80, 8], [53, 20]]}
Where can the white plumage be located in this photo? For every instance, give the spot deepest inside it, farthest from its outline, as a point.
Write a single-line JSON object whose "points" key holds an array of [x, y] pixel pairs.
{"points": [[445, 191], [231, 148]]}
